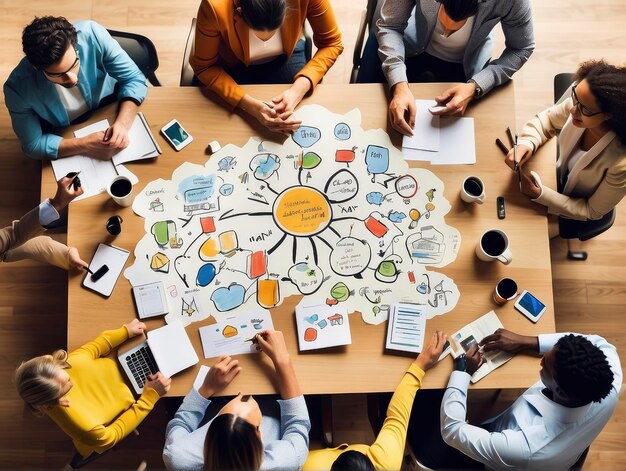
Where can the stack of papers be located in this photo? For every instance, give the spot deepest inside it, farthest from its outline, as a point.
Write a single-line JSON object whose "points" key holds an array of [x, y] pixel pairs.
{"points": [[95, 175], [440, 140]]}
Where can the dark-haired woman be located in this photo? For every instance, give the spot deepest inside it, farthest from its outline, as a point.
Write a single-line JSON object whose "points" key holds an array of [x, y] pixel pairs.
{"points": [[591, 169], [243, 435], [260, 42]]}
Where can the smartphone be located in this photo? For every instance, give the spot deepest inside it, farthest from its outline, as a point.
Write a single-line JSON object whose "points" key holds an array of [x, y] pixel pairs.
{"points": [[500, 204], [176, 135], [530, 306]]}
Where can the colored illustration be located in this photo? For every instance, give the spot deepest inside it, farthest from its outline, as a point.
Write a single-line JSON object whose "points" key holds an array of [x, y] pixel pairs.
{"points": [[333, 213]]}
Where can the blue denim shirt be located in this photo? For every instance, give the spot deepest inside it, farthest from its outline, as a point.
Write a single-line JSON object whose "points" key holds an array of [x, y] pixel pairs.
{"points": [[30, 97]]}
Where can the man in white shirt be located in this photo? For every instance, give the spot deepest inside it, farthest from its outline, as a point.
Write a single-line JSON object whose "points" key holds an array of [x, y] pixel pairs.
{"points": [[23, 240], [554, 421]]}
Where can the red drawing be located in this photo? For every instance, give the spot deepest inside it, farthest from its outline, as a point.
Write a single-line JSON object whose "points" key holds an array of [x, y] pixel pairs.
{"points": [[310, 334]]}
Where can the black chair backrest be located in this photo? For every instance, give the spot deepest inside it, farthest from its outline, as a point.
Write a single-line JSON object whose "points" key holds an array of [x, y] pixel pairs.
{"points": [[562, 83], [142, 51]]}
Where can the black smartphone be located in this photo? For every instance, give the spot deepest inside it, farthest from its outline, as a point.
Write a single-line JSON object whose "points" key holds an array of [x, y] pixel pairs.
{"points": [[500, 205]]}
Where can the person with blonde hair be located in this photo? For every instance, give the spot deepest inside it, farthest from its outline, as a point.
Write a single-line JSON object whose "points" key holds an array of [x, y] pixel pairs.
{"points": [[84, 393]]}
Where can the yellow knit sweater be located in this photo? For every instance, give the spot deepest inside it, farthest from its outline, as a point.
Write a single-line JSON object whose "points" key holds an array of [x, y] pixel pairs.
{"points": [[102, 409]]}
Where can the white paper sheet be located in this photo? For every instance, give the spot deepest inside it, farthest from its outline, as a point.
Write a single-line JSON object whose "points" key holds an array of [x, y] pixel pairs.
{"points": [[231, 336], [426, 131], [141, 143], [204, 370], [95, 175], [406, 328], [322, 326]]}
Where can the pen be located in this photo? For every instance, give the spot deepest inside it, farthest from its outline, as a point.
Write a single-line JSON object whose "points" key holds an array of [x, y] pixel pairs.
{"points": [[106, 136], [269, 105], [89, 270], [509, 135], [516, 170], [252, 339], [73, 176], [502, 147]]}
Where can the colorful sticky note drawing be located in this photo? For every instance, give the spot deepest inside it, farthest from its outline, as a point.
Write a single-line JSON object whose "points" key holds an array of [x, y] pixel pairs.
{"points": [[160, 262], [229, 331], [228, 242], [310, 334], [345, 155], [375, 226], [335, 319], [257, 264], [208, 224], [268, 294]]}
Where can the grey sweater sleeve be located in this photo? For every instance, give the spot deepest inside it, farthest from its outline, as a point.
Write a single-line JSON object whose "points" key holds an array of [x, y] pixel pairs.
{"points": [[390, 30]]}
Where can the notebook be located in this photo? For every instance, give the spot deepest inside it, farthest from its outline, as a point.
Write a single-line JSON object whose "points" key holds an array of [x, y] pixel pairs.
{"points": [[406, 327], [111, 256], [167, 349], [150, 300]]}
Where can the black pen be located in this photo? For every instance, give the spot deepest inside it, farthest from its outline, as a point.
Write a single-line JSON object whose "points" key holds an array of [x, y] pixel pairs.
{"points": [[106, 137], [73, 176], [252, 339], [510, 136], [502, 147], [519, 176]]}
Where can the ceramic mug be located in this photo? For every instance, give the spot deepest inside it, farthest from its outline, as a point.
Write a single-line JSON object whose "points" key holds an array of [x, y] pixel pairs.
{"points": [[121, 190], [114, 225], [494, 245], [473, 190], [505, 290]]}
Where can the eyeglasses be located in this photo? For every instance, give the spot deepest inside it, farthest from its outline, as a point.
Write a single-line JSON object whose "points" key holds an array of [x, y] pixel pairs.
{"points": [[582, 108], [61, 74]]}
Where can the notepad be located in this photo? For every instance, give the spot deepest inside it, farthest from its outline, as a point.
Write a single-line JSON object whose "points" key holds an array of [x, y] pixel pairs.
{"points": [[150, 300], [115, 258], [406, 327], [322, 326]]}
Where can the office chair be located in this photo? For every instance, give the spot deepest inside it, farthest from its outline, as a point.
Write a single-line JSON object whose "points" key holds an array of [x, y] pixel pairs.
{"points": [[189, 79], [569, 228], [369, 16], [142, 51]]}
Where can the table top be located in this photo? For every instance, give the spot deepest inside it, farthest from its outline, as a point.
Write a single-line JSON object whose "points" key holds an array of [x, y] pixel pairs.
{"points": [[361, 366]]}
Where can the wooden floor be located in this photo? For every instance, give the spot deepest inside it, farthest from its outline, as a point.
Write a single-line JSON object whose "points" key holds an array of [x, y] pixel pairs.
{"points": [[590, 297]]}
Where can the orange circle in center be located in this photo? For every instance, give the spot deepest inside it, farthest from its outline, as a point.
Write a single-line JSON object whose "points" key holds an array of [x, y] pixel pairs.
{"points": [[302, 211]]}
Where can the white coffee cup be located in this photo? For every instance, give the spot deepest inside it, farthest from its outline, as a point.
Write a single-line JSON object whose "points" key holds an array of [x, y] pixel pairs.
{"points": [[473, 190], [121, 190], [494, 245]]}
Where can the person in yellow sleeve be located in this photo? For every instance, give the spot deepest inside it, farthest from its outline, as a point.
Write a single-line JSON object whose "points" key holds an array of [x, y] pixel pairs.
{"points": [[260, 42], [84, 392], [387, 451]]}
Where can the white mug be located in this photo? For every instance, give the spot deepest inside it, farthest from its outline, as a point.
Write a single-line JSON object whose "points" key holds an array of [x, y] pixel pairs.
{"points": [[494, 245], [121, 190], [473, 190]]}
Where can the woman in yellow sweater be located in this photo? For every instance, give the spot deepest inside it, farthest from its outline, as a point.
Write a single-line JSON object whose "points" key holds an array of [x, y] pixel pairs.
{"points": [[260, 41], [85, 394], [388, 450]]}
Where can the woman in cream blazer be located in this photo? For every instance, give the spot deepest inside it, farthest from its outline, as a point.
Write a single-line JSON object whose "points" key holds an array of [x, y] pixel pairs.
{"points": [[230, 36], [591, 169]]}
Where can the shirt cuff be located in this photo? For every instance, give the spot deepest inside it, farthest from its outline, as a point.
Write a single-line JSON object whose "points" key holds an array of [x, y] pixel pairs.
{"points": [[547, 341], [459, 380], [195, 400], [47, 213]]}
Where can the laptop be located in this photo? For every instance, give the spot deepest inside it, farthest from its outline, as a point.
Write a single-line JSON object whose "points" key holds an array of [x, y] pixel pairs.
{"points": [[167, 349]]}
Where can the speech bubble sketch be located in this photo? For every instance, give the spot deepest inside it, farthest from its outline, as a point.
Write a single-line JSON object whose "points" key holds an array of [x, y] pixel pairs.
{"points": [[333, 213]]}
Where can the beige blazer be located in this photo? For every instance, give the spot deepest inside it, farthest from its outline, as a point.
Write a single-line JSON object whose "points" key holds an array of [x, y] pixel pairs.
{"points": [[22, 240], [598, 180]]}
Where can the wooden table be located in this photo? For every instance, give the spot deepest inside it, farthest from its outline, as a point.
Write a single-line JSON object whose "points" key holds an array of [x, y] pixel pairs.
{"points": [[362, 366]]}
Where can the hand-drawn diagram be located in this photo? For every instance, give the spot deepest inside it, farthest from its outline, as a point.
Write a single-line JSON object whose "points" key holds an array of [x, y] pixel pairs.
{"points": [[322, 326], [333, 213]]}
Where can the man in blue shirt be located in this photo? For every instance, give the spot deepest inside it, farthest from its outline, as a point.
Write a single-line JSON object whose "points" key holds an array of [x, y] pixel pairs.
{"points": [[70, 70], [551, 424]]}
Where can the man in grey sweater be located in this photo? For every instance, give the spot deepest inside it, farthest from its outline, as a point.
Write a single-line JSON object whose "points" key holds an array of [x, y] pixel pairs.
{"points": [[445, 41]]}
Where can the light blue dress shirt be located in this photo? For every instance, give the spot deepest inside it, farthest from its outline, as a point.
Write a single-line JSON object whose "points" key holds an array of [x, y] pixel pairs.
{"points": [[535, 433], [30, 97], [47, 213], [285, 435]]}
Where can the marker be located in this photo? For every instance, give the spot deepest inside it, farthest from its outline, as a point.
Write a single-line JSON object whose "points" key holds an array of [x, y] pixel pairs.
{"points": [[106, 136], [75, 180], [509, 135], [254, 340], [100, 272], [502, 147]]}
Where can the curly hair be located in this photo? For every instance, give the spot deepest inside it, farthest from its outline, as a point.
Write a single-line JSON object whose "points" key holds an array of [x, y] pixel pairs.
{"points": [[45, 40], [608, 85], [581, 369]]}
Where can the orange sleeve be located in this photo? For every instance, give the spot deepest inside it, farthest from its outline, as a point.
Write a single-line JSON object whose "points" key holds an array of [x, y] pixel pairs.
{"points": [[204, 61], [327, 39]]}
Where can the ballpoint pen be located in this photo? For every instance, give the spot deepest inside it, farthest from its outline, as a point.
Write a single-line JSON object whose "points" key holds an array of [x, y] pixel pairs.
{"points": [[75, 179], [509, 135], [516, 169]]}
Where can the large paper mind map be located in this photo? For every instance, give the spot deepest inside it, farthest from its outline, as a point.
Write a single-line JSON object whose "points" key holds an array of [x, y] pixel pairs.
{"points": [[333, 213]]}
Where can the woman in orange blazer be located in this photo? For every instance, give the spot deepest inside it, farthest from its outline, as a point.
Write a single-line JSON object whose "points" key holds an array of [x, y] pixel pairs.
{"points": [[260, 41]]}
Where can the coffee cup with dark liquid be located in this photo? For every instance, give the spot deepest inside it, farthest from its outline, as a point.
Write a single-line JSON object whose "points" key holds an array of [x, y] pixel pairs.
{"points": [[121, 189], [505, 290], [494, 245], [473, 190]]}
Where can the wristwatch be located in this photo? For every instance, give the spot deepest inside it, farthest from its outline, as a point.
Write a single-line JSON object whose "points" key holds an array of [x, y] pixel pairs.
{"points": [[479, 91], [460, 363]]}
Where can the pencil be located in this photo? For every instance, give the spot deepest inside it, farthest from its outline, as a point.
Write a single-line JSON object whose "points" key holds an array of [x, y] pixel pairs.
{"points": [[519, 176], [509, 135], [502, 147]]}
